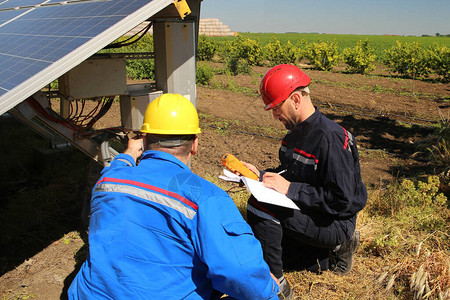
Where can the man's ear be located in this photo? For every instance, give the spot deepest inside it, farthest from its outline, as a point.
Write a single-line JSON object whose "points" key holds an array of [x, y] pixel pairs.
{"points": [[297, 99], [194, 146], [144, 142]]}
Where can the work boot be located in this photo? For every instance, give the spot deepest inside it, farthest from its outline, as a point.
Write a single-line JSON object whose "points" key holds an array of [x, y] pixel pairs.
{"points": [[285, 292], [341, 260]]}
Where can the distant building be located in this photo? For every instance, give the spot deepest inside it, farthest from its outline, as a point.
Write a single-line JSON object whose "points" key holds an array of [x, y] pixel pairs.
{"points": [[214, 27]]}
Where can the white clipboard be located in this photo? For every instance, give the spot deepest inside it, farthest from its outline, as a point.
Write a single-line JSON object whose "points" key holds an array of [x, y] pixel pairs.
{"points": [[259, 191]]}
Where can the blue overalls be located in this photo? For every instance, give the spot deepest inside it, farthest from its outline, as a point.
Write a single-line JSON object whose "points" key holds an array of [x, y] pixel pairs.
{"points": [[158, 231]]}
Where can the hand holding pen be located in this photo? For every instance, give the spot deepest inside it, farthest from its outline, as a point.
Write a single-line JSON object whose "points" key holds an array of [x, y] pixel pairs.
{"points": [[276, 182]]}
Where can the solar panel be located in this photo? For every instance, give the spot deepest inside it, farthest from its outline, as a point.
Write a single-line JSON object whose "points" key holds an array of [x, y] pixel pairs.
{"points": [[42, 40]]}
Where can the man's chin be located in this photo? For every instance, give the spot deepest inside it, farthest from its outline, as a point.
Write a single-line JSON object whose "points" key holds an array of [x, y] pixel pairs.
{"points": [[288, 126]]}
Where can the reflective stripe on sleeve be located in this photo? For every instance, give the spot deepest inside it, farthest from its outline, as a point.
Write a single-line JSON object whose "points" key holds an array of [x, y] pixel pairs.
{"points": [[262, 214], [306, 161], [303, 157], [348, 140], [125, 161], [260, 211], [153, 196]]}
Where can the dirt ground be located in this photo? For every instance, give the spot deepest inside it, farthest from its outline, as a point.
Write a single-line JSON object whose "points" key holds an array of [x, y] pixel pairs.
{"points": [[380, 111]]}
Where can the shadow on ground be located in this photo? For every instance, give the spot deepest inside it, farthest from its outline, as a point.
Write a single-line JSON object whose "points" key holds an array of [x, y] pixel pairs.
{"points": [[43, 192], [80, 258]]}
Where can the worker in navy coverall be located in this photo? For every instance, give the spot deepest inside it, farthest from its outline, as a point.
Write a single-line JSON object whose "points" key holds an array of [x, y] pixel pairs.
{"points": [[319, 170], [158, 231]]}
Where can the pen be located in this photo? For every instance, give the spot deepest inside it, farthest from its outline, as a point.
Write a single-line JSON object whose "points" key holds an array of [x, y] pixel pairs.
{"points": [[281, 172]]}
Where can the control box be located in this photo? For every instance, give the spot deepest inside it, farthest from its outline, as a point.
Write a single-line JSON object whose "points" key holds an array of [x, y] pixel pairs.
{"points": [[95, 77], [133, 106]]}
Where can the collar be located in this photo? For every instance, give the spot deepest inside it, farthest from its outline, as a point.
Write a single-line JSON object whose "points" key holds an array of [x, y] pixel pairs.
{"points": [[152, 154], [309, 121]]}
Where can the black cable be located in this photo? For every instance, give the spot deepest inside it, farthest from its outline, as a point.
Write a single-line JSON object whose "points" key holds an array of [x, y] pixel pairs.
{"points": [[279, 138], [330, 106], [241, 131], [80, 130], [124, 42]]}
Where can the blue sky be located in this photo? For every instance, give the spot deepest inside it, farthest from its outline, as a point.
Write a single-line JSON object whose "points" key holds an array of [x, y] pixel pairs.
{"points": [[399, 17]]}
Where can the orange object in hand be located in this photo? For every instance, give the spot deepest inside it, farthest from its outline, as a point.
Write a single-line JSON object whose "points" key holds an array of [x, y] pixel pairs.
{"points": [[234, 164]]}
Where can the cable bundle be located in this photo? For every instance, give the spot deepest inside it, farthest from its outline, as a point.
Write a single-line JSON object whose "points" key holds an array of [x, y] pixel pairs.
{"points": [[78, 121]]}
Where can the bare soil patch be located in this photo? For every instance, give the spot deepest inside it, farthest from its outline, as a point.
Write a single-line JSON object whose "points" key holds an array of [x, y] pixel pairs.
{"points": [[382, 113]]}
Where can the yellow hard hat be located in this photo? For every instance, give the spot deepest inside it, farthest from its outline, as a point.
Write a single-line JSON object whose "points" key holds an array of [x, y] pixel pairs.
{"points": [[171, 114]]}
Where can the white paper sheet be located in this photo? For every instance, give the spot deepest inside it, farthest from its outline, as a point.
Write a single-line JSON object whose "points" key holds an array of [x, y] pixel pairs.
{"points": [[229, 176], [267, 195], [257, 189]]}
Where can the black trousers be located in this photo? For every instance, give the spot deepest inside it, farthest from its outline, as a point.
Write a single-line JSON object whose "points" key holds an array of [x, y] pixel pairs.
{"points": [[292, 239]]}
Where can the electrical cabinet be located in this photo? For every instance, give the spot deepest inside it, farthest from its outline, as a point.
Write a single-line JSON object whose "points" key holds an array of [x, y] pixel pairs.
{"points": [[95, 78], [133, 106]]}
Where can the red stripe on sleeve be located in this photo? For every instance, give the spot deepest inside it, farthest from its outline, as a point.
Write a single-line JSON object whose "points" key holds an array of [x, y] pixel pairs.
{"points": [[307, 155], [346, 138], [153, 188]]}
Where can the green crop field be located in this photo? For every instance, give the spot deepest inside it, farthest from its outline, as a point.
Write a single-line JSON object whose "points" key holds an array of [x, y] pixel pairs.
{"points": [[378, 42]]}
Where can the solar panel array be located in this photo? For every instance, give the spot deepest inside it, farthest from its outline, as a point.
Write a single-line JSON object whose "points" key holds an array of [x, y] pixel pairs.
{"points": [[41, 40]]}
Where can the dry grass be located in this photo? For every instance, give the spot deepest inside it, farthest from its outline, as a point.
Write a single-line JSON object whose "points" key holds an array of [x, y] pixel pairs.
{"points": [[396, 260]]}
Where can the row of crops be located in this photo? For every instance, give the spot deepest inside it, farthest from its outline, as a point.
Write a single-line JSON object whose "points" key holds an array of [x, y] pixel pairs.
{"points": [[410, 59], [379, 43]]}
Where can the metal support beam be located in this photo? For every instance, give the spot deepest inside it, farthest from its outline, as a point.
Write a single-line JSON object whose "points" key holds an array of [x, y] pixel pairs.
{"points": [[175, 67], [53, 130]]}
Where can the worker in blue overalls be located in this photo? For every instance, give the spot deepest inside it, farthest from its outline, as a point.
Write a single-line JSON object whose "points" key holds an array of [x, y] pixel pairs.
{"points": [[319, 170], [158, 231]]}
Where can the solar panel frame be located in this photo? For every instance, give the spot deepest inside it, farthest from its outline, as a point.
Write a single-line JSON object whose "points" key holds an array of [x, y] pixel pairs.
{"points": [[19, 3], [39, 44]]}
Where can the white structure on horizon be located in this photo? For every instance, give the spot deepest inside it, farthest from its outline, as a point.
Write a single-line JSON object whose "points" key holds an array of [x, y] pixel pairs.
{"points": [[214, 27]]}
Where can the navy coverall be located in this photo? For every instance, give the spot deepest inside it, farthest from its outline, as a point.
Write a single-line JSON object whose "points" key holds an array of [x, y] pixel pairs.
{"points": [[321, 162]]}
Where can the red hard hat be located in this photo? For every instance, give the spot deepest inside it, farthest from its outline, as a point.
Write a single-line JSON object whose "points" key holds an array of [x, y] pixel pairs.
{"points": [[279, 82]]}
